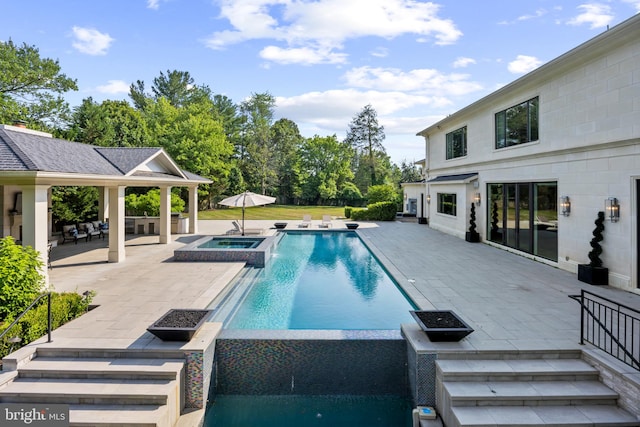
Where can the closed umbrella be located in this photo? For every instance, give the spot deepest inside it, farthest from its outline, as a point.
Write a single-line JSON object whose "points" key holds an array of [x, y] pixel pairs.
{"points": [[245, 200]]}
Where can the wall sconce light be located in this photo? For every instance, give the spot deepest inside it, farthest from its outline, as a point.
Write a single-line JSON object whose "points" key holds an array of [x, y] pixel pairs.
{"points": [[428, 198], [477, 199], [612, 209], [565, 205]]}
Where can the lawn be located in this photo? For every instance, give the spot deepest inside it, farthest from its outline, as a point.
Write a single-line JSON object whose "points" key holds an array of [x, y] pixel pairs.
{"points": [[274, 212]]}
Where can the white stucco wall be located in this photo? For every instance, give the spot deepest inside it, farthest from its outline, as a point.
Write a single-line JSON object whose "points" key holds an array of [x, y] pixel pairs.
{"points": [[589, 143]]}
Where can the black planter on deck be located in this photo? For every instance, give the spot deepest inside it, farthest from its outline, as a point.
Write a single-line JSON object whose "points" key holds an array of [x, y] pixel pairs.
{"points": [[179, 324], [441, 325], [598, 276], [352, 225]]}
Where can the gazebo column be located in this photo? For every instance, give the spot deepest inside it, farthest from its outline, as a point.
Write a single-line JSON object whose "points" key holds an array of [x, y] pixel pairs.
{"points": [[35, 224], [165, 215], [103, 204], [193, 210], [116, 224]]}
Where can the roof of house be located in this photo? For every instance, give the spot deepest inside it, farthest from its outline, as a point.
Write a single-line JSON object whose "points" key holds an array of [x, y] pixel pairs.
{"points": [[459, 178], [25, 150]]}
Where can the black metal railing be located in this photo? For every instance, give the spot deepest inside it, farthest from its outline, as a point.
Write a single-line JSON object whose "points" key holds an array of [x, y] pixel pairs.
{"points": [[610, 326], [48, 296]]}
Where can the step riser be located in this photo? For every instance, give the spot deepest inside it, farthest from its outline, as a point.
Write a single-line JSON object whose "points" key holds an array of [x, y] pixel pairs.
{"points": [[532, 402], [108, 354], [86, 400], [515, 355], [139, 376], [452, 377]]}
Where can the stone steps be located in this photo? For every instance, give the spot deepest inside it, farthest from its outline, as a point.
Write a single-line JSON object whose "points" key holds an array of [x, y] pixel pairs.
{"points": [[105, 390], [519, 389]]}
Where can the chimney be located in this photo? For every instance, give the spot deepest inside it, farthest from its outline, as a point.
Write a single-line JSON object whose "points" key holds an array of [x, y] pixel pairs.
{"points": [[20, 124]]}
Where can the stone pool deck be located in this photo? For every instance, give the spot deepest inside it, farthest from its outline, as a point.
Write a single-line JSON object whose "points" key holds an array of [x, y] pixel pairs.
{"points": [[512, 302]]}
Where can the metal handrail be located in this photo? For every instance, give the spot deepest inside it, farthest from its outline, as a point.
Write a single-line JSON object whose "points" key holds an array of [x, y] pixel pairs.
{"points": [[598, 318], [48, 295]]}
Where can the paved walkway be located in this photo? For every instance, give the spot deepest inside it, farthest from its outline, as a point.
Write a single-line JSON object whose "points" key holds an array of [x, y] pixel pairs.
{"points": [[512, 302]]}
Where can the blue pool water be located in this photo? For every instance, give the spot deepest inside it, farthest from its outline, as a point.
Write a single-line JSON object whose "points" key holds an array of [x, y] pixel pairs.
{"points": [[296, 411], [322, 280]]}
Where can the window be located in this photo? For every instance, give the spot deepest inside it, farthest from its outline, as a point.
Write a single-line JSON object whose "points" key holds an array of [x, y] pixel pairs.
{"points": [[447, 203], [518, 124], [457, 143]]}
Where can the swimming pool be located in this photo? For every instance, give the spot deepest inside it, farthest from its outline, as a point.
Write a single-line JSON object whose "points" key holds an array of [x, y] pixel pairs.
{"points": [[321, 280], [231, 243]]}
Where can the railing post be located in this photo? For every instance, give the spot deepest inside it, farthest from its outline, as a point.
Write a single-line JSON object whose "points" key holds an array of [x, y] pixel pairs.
{"points": [[49, 316], [582, 309]]}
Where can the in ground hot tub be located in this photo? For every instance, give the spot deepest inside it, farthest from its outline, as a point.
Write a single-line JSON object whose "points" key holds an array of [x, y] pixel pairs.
{"points": [[253, 250]]}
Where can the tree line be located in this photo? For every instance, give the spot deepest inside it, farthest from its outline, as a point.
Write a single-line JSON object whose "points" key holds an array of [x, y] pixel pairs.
{"points": [[238, 146]]}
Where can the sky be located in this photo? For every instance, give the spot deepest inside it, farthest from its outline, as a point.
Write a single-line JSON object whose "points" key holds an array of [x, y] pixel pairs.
{"points": [[413, 61]]}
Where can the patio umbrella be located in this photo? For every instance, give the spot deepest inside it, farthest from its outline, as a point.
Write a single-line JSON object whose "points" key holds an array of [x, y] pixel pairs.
{"points": [[245, 200]]}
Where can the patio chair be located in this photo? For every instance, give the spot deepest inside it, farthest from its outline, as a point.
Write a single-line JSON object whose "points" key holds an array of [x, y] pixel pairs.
{"points": [[326, 221], [306, 221], [71, 232], [237, 229]]}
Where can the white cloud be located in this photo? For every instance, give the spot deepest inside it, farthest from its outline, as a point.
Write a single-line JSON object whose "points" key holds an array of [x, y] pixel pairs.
{"points": [[114, 87], [523, 64], [91, 41], [153, 4], [462, 62], [422, 81], [380, 52], [302, 55], [597, 15], [537, 14], [323, 26]]}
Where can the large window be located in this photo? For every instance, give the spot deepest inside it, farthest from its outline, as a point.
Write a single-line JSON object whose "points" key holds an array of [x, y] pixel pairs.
{"points": [[524, 216], [447, 203], [518, 124], [457, 143]]}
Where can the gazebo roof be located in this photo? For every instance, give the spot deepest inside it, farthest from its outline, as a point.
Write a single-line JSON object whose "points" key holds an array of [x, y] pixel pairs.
{"points": [[40, 158]]}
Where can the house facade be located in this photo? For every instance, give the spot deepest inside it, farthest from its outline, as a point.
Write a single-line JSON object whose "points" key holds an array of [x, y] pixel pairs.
{"points": [[542, 156]]}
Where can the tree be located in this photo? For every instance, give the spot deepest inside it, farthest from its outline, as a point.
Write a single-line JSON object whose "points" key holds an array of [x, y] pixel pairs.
{"points": [[409, 172], [324, 168], [71, 205], [178, 87], [110, 124], [31, 87], [286, 142], [256, 158], [365, 136]]}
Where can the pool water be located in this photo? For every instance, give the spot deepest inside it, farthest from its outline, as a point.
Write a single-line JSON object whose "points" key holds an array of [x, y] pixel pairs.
{"points": [[231, 243], [322, 280], [296, 411]]}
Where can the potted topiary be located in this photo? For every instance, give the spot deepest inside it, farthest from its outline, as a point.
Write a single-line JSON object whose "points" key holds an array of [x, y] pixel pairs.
{"points": [[594, 273], [496, 236], [472, 235]]}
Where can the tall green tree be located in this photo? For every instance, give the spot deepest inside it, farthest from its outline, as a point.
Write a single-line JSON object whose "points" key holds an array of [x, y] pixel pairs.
{"points": [[31, 87], [365, 136], [286, 141], [193, 138], [109, 124], [178, 87], [256, 161], [325, 169]]}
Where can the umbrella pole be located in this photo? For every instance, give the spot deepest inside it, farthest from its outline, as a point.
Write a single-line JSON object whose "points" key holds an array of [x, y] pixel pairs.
{"points": [[244, 199]]}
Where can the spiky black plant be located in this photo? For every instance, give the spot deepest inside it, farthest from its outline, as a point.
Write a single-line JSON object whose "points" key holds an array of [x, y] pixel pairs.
{"points": [[472, 220], [596, 250]]}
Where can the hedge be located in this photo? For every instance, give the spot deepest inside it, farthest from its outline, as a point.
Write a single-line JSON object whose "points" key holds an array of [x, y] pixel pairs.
{"points": [[381, 211]]}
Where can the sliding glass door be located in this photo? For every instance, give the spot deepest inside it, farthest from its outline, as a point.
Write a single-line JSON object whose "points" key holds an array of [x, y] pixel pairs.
{"points": [[524, 216]]}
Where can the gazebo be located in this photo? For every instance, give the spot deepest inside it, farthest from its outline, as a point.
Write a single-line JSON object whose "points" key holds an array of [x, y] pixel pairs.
{"points": [[31, 162]]}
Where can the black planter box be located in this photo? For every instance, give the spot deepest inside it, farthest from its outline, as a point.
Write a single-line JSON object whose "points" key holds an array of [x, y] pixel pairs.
{"points": [[441, 325], [472, 237], [352, 225], [593, 275], [280, 225], [179, 324]]}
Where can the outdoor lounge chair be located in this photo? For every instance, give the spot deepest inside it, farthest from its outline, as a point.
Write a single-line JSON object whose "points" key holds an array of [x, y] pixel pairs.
{"points": [[326, 221], [237, 229], [71, 232], [306, 221]]}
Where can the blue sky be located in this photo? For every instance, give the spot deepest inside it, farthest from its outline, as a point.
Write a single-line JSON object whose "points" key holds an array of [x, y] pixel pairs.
{"points": [[414, 61]]}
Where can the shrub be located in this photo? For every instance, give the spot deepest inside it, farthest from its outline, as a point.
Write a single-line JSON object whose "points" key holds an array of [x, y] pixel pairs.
{"points": [[382, 193], [20, 277], [65, 307], [347, 211], [381, 211], [149, 203]]}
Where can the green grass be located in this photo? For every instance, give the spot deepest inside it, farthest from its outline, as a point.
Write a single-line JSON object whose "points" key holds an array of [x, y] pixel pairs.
{"points": [[274, 212]]}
